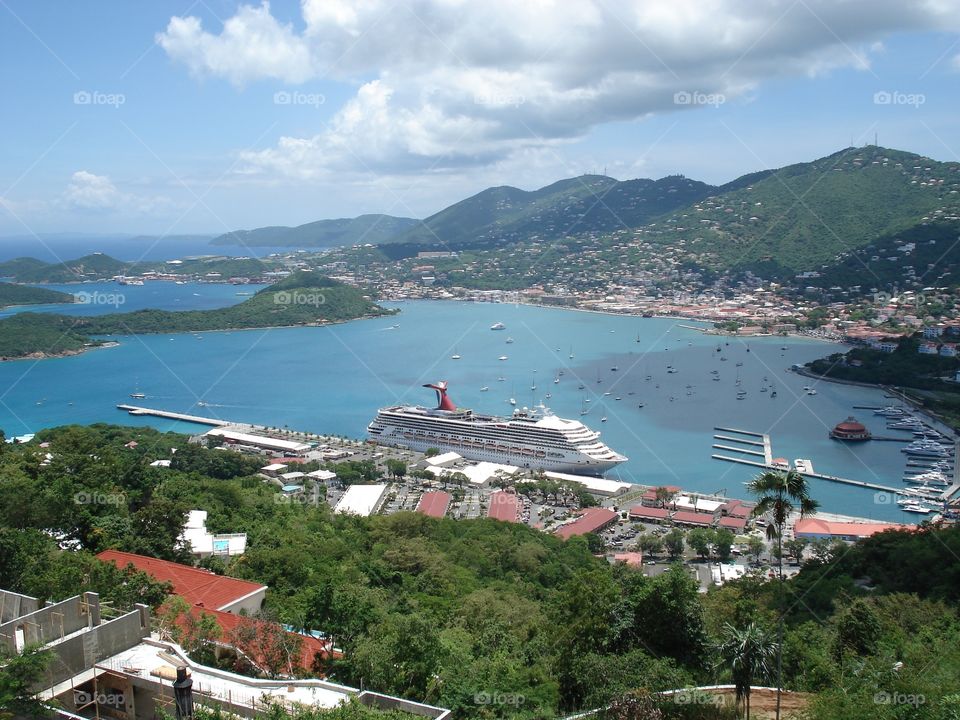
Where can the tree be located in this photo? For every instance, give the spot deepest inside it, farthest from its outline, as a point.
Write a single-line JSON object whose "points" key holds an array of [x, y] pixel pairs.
{"points": [[795, 547], [755, 547], [778, 495], [275, 651], [858, 630], [749, 652], [19, 675], [723, 542], [431, 452], [673, 541], [397, 468], [650, 544], [196, 633], [699, 539], [662, 495]]}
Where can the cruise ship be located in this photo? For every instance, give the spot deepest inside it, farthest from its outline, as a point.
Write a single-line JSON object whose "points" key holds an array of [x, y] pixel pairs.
{"points": [[528, 439]]}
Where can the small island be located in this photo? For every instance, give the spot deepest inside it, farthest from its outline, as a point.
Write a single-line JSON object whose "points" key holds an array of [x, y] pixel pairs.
{"points": [[303, 298], [11, 295]]}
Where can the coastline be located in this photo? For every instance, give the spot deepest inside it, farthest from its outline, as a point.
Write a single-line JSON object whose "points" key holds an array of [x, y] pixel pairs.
{"points": [[39, 355]]}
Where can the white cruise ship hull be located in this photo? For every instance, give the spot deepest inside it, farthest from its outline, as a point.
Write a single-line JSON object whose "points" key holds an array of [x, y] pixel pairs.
{"points": [[499, 441]]}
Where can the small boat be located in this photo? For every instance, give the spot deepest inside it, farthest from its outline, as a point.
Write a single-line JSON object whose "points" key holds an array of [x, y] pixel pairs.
{"points": [[640, 405], [739, 364], [606, 393], [501, 379], [618, 398], [455, 356], [548, 396], [582, 387], [498, 326], [137, 396], [613, 369], [512, 401], [604, 418], [556, 380], [503, 357], [509, 340], [484, 389], [811, 391]]}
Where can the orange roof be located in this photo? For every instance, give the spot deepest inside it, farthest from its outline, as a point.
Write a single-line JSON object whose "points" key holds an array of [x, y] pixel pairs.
{"points": [[196, 586], [309, 648], [816, 526]]}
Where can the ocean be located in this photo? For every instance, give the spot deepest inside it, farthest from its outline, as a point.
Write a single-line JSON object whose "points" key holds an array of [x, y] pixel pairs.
{"points": [[333, 379]]}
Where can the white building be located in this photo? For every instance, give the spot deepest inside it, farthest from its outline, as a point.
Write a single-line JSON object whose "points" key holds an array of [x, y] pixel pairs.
{"points": [[363, 500], [203, 543]]}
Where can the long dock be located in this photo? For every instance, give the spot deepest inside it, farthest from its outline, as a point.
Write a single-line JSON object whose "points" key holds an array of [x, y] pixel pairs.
{"points": [[136, 410], [818, 476], [763, 442]]}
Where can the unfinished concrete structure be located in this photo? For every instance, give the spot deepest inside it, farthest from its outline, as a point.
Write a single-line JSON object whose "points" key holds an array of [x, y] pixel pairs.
{"points": [[113, 668]]}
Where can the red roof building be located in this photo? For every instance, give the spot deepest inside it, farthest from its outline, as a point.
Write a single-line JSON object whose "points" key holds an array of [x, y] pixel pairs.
{"points": [[736, 524], [590, 520], [434, 503], [198, 587], [503, 506], [686, 517], [850, 430], [640, 512]]}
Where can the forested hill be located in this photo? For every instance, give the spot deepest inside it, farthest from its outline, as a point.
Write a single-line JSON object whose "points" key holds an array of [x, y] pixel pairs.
{"points": [[373, 229], [303, 298], [11, 294], [808, 215]]}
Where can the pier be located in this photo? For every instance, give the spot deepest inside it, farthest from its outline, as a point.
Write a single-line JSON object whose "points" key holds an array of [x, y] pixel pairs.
{"points": [[818, 476], [136, 410], [764, 442]]}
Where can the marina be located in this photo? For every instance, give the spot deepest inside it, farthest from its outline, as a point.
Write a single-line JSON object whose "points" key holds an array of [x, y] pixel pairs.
{"points": [[665, 428]]}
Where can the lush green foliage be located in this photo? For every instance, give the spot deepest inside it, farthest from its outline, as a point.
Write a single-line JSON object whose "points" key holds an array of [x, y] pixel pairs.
{"points": [[11, 294], [491, 619], [299, 299]]}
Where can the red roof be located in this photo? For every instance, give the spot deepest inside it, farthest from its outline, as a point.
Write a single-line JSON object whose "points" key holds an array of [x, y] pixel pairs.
{"points": [[196, 586], [434, 503], [503, 506], [649, 512], [310, 646], [692, 518], [732, 523], [590, 520]]}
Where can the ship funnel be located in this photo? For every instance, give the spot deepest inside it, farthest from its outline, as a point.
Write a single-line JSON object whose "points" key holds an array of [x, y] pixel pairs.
{"points": [[443, 401]]}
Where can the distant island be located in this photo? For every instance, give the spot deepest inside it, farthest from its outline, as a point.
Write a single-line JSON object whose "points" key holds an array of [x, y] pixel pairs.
{"points": [[303, 298], [370, 229], [11, 295]]}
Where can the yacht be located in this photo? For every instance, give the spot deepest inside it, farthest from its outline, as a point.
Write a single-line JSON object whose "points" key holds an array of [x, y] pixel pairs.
{"points": [[498, 326]]}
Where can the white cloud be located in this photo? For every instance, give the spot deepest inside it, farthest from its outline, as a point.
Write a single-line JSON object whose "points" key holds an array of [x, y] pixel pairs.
{"points": [[88, 192], [444, 84]]}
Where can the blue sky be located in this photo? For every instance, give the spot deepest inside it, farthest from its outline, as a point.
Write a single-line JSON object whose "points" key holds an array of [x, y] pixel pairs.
{"points": [[206, 116]]}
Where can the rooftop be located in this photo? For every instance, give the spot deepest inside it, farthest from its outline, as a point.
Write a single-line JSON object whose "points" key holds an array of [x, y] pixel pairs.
{"points": [[196, 586], [434, 503], [589, 520]]}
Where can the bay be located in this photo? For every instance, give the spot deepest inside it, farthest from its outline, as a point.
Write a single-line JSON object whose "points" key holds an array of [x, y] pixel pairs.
{"points": [[332, 380]]}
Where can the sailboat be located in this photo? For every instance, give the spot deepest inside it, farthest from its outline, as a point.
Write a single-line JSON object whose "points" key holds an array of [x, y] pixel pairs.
{"points": [[571, 352], [455, 356]]}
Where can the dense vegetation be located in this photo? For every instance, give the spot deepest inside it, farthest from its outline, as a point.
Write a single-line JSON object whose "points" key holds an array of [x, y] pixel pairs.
{"points": [[491, 619], [903, 367], [103, 267], [300, 299], [373, 229], [25, 295]]}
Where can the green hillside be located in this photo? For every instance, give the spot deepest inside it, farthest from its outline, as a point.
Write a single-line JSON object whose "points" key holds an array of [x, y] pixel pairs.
{"points": [[373, 229], [810, 214], [585, 204], [89, 267], [11, 294], [301, 299]]}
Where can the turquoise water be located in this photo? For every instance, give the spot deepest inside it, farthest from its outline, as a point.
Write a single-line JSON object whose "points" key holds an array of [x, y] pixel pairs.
{"points": [[107, 297], [332, 380]]}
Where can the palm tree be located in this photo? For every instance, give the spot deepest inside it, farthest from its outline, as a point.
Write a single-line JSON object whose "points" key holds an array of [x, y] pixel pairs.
{"points": [[749, 653], [778, 495]]}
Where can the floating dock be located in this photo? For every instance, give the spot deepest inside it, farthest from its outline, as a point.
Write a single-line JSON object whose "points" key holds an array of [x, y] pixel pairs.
{"points": [[136, 410], [818, 476], [764, 442]]}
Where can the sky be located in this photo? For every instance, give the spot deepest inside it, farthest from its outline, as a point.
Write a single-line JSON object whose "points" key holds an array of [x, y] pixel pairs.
{"points": [[205, 116]]}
